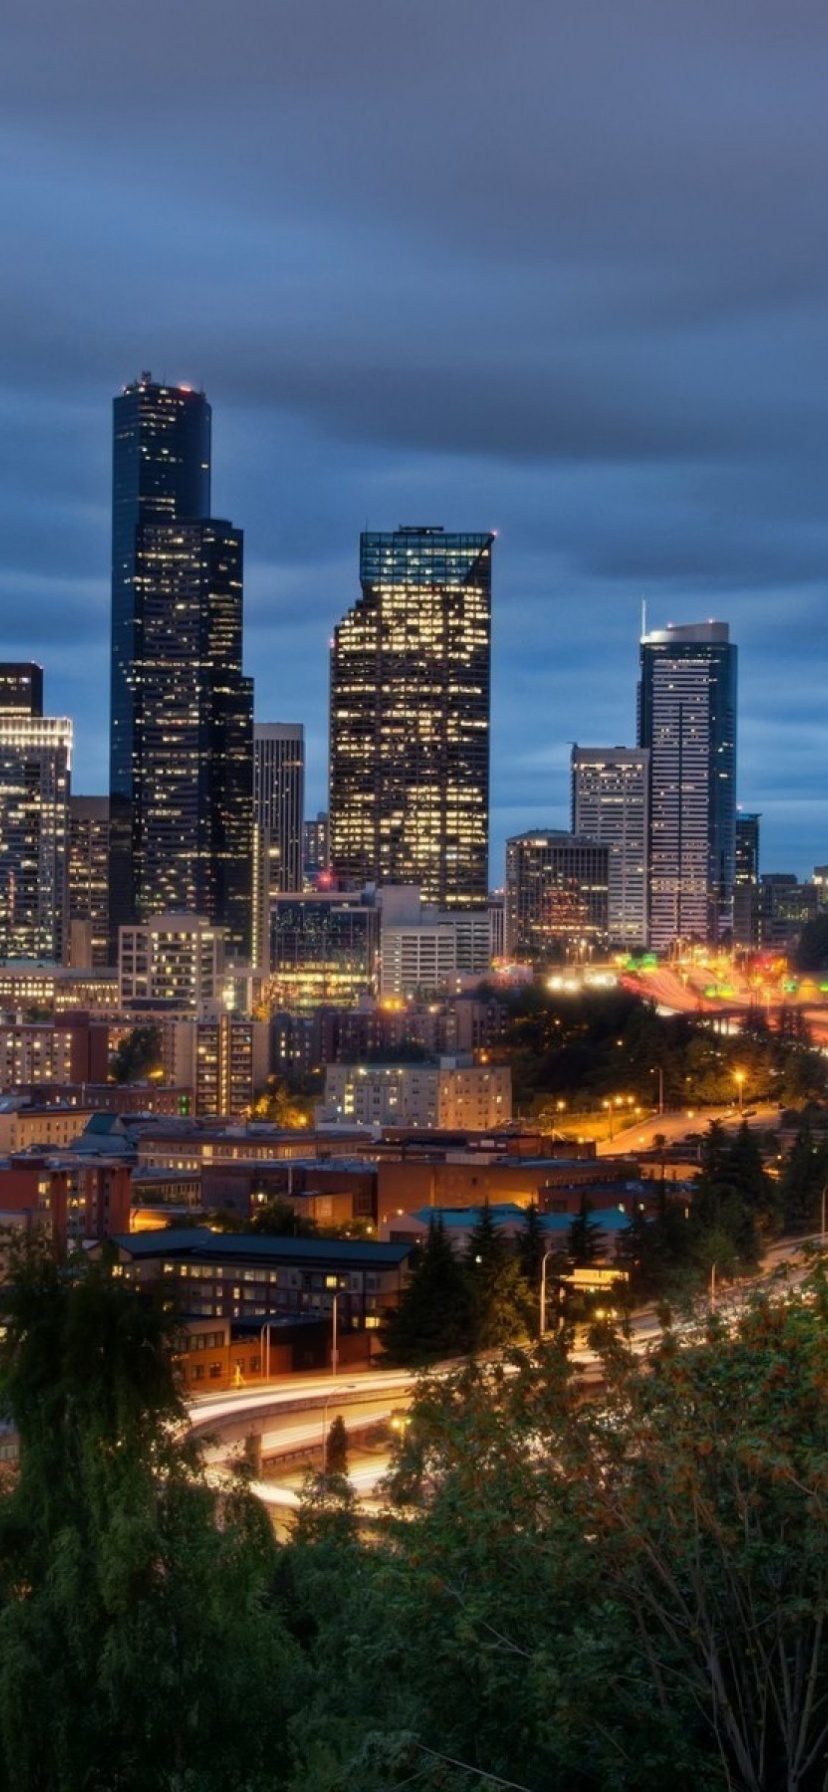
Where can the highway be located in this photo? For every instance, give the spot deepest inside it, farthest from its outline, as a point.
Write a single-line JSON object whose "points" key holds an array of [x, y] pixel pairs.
{"points": [[293, 1417]]}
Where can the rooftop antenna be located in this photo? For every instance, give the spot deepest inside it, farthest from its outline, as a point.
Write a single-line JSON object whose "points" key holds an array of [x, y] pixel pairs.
{"points": [[643, 617]]}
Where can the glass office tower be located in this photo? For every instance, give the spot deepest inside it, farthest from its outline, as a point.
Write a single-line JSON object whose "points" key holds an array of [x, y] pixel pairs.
{"points": [[181, 745], [410, 702], [687, 719]]}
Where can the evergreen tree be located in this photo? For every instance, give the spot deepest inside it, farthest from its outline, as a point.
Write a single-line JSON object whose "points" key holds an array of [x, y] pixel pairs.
{"points": [[433, 1318], [500, 1298], [336, 1448], [584, 1241]]}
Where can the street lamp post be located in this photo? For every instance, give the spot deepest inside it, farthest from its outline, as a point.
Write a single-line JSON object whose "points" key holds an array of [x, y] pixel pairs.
{"points": [[264, 1346], [550, 1252], [739, 1079], [334, 1351], [657, 1071]]}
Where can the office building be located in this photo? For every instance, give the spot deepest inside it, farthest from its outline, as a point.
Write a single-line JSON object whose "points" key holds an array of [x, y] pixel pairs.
{"points": [[610, 803], [172, 961], [88, 881], [425, 949], [687, 719], [181, 747], [35, 769], [746, 881], [323, 947], [316, 848], [409, 761], [278, 817], [557, 897]]}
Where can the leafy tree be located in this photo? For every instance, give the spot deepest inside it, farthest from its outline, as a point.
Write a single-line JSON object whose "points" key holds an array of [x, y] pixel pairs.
{"points": [[279, 1219], [812, 952], [138, 1643], [138, 1056]]}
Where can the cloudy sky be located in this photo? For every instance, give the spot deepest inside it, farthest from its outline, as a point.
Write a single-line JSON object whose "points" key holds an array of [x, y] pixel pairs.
{"points": [[553, 267]]}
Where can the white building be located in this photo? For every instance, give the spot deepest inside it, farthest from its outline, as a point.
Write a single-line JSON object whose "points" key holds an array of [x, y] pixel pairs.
{"points": [[423, 949], [174, 959], [449, 1096]]}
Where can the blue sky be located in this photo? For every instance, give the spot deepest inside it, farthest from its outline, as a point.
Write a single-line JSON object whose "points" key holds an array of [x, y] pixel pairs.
{"points": [[559, 271]]}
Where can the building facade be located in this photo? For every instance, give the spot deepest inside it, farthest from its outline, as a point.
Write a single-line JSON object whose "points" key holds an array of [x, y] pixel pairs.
{"points": [[746, 881], [611, 804], [323, 948], [424, 949], [409, 730], [278, 821], [35, 771], [181, 744], [687, 719], [447, 1096], [173, 961], [557, 896], [88, 882]]}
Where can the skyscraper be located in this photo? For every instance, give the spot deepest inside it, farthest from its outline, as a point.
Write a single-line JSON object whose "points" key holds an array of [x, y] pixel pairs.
{"points": [[278, 819], [410, 674], [88, 881], [687, 719], [181, 733], [35, 766], [610, 803], [746, 880]]}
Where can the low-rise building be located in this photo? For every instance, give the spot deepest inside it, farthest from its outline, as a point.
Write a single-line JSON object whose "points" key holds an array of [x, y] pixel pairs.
{"points": [[449, 1094]]}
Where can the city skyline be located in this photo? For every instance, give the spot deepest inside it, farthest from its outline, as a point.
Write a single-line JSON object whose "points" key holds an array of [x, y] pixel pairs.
{"points": [[596, 325]]}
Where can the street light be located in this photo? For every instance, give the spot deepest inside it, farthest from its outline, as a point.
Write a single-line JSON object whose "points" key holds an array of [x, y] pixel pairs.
{"points": [[657, 1071], [334, 1351], [549, 1252], [739, 1078], [264, 1342]]}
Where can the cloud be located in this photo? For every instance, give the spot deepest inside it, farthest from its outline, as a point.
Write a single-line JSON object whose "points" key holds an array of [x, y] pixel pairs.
{"points": [[557, 271]]}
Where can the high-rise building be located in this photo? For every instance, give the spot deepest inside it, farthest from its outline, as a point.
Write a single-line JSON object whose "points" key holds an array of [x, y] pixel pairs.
{"points": [[556, 896], [610, 803], [687, 719], [278, 818], [410, 671], [88, 881], [316, 848], [182, 713], [35, 768], [746, 882]]}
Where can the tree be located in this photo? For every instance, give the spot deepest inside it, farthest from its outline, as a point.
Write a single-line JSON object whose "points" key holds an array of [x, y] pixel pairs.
{"points": [[433, 1319], [499, 1297], [629, 1592], [336, 1448], [584, 1243], [138, 1642], [138, 1056]]}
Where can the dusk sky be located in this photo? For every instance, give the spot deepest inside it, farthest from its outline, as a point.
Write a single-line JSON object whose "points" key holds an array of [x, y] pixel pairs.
{"points": [[555, 270]]}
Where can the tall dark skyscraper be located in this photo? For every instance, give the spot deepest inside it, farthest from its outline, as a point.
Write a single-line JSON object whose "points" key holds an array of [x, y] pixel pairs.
{"points": [[687, 718], [181, 759], [410, 675], [35, 766]]}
